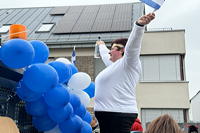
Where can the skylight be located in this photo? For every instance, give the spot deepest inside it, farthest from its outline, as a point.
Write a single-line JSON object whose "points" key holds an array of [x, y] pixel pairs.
{"points": [[45, 27], [4, 29]]}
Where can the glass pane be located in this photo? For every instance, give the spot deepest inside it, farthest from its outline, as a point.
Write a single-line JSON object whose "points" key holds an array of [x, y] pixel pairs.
{"points": [[169, 67], [150, 68], [4, 29], [160, 68], [45, 27]]}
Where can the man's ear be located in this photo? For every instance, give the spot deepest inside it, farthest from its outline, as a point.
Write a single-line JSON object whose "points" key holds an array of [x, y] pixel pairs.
{"points": [[122, 50]]}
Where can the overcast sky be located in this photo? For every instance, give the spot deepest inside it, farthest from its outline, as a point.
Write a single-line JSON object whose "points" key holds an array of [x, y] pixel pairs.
{"points": [[176, 14]]}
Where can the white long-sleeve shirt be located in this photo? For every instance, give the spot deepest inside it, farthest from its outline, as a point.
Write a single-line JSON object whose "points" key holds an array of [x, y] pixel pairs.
{"points": [[105, 56], [115, 85]]}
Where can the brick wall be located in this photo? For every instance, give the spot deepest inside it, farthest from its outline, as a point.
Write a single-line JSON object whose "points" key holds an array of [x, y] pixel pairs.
{"points": [[85, 64]]}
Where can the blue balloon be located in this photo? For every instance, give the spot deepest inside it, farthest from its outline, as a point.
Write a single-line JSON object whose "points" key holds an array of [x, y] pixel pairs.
{"points": [[40, 77], [36, 108], [0, 53], [86, 128], [74, 69], [41, 51], [90, 90], [71, 125], [80, 111], [60, 114], [17, 53], [87, 117], [26, 94], [57, 97], [43, 123], [75, 101], [63, 70]]}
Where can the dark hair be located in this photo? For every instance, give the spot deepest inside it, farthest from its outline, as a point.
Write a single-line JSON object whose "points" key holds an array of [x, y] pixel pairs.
{"points": [[192, 129], [163, 124], [122, 41]]}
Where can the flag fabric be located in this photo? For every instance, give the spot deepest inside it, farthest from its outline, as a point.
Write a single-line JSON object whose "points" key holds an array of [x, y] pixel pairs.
{"points": [[73, 57], [156, 4]]}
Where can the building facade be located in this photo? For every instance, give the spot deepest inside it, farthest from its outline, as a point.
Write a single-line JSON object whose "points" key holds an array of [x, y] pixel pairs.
{"points": [[162, 88]]}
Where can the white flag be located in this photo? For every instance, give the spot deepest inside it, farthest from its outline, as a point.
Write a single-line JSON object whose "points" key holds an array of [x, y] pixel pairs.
{"points": [[73, 58], [156, 4]]}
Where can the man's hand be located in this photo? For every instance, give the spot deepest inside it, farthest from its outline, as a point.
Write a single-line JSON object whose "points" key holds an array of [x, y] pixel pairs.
{"points": [[100, 42], [146, 19]]}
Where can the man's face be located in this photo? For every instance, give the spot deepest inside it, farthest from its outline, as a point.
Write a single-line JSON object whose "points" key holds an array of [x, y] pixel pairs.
{"points": [[115, 53]]}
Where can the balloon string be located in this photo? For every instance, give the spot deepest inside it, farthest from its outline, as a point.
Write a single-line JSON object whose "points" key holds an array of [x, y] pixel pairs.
{"points": [[13, 34]]}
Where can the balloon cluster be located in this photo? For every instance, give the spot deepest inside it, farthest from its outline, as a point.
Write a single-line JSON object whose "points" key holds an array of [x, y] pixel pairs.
{"points": [[56, 94]]}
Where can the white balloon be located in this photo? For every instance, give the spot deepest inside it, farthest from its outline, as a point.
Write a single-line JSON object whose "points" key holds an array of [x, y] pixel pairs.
{"points": [[84, 97], [56, 129], [64, 60], [79, 80]]}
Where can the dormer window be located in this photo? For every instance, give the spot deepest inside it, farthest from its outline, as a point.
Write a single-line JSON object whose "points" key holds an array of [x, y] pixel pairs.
{"points": [[45, 27], [4, 29]]}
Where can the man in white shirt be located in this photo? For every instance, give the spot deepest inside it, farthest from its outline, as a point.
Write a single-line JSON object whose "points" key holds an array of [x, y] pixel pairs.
{"points": [[115, 96]]}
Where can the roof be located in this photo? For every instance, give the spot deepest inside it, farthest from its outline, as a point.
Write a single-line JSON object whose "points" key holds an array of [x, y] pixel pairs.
{"points": [[195, 95], [75, 24]]}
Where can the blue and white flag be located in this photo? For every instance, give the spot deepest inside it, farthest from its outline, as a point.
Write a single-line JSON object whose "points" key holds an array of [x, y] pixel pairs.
{"points": [[73, 58], [156, 4]]}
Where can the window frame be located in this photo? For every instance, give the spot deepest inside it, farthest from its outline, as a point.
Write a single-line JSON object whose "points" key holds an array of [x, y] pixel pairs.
{"points": [[179, 71], [45, 31], [5, 25]]}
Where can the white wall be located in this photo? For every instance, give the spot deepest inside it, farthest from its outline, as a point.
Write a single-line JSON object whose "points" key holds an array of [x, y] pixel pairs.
{"points": [[163, 42], [163, 95]]}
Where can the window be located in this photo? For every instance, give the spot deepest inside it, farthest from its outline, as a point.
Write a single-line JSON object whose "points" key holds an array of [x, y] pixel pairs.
{"points": [[161, 68], [150, 114], [45, 27], [4, 29]]}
